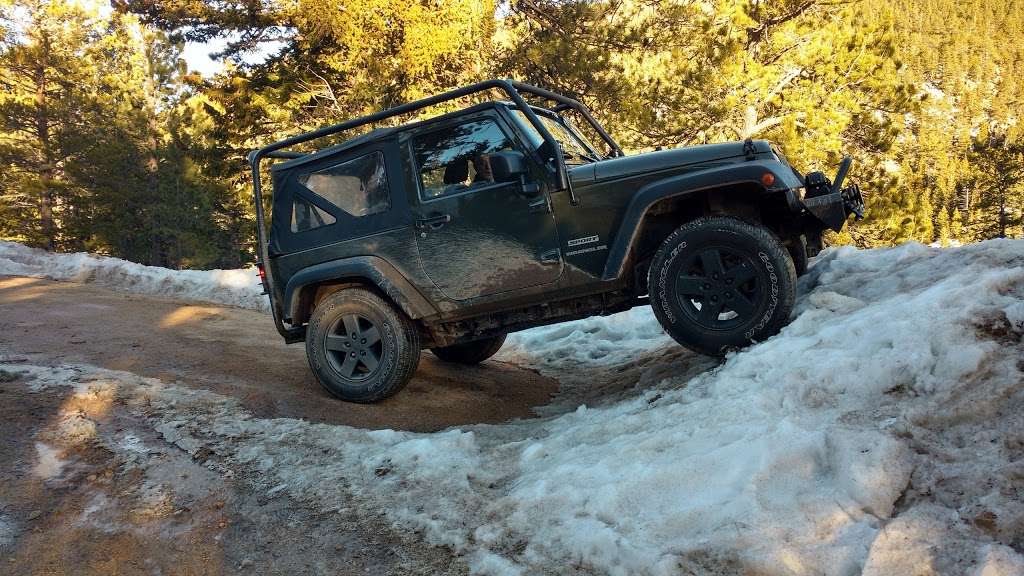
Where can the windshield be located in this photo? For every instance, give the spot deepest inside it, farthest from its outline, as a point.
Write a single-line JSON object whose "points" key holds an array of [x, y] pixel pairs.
{"points": [[575, 147]]}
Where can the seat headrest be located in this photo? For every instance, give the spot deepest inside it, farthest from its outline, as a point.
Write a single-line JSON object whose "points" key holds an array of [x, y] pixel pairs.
{"points": [[457, 171]]}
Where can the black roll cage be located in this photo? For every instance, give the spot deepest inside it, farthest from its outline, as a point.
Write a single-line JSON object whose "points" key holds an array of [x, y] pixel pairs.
{"points": [[511, 87]]}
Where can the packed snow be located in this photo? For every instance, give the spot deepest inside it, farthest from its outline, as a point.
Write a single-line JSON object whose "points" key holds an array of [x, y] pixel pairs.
{"points": [[48, 462], [882, 432], [599, 341], [233, 287]]}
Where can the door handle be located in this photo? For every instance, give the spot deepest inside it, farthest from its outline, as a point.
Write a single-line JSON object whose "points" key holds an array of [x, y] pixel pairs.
{"points": [[433, 222]]}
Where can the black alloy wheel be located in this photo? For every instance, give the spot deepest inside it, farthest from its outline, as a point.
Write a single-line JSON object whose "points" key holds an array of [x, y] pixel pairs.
{"points": [[719, 283], [353, 347], [718, 288]]}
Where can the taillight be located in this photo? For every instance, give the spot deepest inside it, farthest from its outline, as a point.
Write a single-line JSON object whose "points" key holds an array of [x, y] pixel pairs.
{"points": [[262, 272], [767, 179]]}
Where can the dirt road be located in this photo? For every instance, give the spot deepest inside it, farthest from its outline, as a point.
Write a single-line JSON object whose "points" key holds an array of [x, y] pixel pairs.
{"points": [[119, 499], [237, 353]]}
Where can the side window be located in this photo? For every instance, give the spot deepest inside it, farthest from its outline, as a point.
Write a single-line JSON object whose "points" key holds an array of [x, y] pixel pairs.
{"points": [[306, 216], [358, 186], [457, 158]]}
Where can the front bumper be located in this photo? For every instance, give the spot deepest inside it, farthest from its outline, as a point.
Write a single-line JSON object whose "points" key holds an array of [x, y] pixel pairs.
{"points": [[830, 202], [834, 208]]}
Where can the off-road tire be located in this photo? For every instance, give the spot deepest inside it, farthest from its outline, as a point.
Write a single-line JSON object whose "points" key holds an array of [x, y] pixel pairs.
{"points": [[798, 252], [473, 352], [333, 352], [814, 244], [752, 263]]}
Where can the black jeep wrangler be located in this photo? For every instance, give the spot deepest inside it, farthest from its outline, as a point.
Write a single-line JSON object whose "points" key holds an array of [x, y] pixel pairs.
{"points": [[451, 232]]}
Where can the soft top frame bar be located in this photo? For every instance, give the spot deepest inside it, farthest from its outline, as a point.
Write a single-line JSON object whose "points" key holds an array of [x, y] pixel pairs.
{"points": [[510, 87]]}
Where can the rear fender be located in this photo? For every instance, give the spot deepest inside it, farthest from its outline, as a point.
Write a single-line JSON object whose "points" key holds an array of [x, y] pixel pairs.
{"points": [[365, 269], [734, 174]]}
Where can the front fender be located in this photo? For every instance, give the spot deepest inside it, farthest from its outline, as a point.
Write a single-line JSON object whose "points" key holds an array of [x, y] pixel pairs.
{"points": [[371, 269], [745, 172]]}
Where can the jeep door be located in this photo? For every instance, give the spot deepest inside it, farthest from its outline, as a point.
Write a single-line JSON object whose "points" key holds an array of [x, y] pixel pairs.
{"points": [[476, 236]]}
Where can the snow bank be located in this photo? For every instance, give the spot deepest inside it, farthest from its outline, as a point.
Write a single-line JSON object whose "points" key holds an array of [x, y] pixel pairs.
{"points": [[880, 432], [233, 287]]}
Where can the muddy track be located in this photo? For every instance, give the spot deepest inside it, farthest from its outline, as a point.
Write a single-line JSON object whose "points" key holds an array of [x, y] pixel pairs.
{"points": [[237, 353]]}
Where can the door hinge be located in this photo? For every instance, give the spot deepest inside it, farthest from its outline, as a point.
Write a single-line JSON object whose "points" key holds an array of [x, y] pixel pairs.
{"points": [[541, 204], [551, 257]]}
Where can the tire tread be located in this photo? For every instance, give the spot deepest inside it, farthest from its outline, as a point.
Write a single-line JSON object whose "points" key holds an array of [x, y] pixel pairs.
{"points": [[763, 236]]}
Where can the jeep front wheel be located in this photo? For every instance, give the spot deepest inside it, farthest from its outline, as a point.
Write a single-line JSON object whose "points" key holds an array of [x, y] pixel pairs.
{"points": [[719, 283], [361, 349], [473, 352]]}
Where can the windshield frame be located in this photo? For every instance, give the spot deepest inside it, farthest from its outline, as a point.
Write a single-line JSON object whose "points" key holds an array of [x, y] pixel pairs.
{"points": [[560, 127]]}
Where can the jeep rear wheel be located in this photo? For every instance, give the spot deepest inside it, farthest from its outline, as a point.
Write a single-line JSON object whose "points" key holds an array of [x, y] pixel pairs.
{"points": [[361, 349], [473, 352], [719, 283]]}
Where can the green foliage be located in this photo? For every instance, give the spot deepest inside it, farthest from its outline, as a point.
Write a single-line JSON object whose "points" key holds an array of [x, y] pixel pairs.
{"points": [[996, 179], [47, 76], [668, 73], [903, 87], [954, 156], [109, 144], [94, 155]]}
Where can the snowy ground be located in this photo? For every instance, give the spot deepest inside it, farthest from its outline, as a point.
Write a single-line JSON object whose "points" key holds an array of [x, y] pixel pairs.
{"points": [[881, 433], [234, 287]]}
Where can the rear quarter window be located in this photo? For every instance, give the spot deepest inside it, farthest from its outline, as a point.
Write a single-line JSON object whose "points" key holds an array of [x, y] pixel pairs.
{"points": [[306, 216], [358, 186]]}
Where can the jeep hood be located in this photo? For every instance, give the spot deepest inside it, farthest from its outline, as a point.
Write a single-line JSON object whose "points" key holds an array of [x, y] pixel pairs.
{"points": [[668, 159]]}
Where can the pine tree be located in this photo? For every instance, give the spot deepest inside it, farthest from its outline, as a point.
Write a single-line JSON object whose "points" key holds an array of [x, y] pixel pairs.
{"points": [[99, 158], [999, 182], [963, 58], [48, 80], [109, 144]]}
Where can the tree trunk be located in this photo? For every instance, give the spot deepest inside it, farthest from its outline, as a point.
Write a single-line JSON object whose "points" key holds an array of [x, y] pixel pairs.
{"points": [[1002, 215], [158, 245], [47, 172]]}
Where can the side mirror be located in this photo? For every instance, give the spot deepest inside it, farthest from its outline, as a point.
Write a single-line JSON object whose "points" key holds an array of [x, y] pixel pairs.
{"points": [[508, 166]]}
